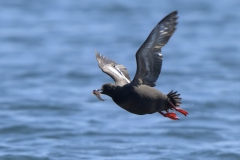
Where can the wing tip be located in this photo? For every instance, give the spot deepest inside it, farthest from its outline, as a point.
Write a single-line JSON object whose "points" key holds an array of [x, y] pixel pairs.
{"points": [[172, 15], [97, 54], [174, 12], [100, 59]]}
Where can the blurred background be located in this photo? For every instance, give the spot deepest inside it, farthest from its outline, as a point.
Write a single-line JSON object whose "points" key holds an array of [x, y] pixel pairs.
{"points": [[48, 71]]}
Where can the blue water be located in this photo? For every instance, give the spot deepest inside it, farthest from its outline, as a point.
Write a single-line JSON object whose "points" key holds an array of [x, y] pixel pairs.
{"points": [[48, 71]]}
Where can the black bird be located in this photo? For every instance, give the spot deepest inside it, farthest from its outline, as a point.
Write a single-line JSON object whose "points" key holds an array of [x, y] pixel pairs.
{"points": [[138, 96]]}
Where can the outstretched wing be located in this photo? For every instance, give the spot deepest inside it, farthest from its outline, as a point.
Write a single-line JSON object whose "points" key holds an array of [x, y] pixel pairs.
{"points": [[116, 71], [149, 58]]}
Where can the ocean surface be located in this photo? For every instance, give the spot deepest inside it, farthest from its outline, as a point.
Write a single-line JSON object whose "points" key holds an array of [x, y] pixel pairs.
{"points": [[48, 71]]}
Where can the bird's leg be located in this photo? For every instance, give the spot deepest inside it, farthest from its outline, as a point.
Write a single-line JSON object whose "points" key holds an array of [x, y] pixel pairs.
{"points": [[185, 113], [172, 115]]}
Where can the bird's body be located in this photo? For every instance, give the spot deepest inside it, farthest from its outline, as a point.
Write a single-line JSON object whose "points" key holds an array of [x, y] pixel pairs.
{"points": [[140, 99], [138, 96]]}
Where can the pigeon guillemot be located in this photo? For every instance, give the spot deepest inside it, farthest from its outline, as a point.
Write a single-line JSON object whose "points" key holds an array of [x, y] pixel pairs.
{"points": [[138, 96]]}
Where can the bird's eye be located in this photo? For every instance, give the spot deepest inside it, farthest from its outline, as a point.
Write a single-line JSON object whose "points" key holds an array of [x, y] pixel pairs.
{"points": [[109, 87]]}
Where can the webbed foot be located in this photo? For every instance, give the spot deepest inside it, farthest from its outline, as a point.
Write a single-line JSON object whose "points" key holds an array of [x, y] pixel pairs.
{"points": [[185, 113], [171, 115]]}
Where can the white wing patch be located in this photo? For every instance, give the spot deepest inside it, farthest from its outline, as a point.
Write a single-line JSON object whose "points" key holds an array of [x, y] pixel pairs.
{"points": [[117, 72]]}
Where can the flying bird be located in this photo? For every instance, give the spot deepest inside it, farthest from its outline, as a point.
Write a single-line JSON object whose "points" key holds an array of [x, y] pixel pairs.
{"points": [[139, 95]]}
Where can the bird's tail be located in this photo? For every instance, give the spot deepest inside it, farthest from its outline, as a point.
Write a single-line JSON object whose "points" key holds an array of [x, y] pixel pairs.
{"points": [[174, 98]]}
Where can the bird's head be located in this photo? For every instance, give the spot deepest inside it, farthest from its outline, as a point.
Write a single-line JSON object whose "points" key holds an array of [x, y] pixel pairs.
{"points": [[107, 89]]}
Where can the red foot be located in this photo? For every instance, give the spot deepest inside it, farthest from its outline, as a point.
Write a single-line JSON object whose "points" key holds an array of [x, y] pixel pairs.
{"points": [[172, 116], [185, 113]]}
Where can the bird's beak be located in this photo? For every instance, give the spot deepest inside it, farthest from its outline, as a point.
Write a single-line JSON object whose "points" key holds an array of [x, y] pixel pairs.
{"points": [[97, 93], [100, 90]]}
